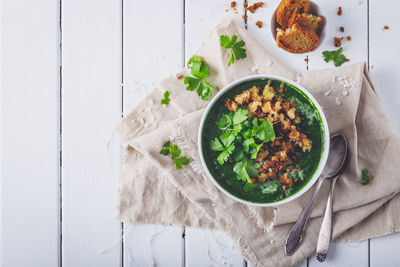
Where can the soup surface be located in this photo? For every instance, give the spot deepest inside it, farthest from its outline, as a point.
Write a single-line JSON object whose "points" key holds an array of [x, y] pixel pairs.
{"points": [[263, 140]]}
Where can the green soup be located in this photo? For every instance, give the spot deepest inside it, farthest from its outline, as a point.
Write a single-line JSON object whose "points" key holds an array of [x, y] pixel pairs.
{"points": [[311, 125]]}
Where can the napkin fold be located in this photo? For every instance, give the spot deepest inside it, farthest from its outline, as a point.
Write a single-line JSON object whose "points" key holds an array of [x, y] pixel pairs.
{"points": [[153, 191]]}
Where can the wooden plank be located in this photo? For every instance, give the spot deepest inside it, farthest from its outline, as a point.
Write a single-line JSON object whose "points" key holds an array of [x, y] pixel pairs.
{"points": [[153, 49], [202, 248], [205, 247], [354, 21], [266, 35], [384, 56], [384, 65], [91, 107], [385, 251], [344, 255], [153, 245], [29, 229]]}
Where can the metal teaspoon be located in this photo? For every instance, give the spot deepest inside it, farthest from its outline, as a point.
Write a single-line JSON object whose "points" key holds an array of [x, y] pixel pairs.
{"points": [[336, 159], [325, 233]]}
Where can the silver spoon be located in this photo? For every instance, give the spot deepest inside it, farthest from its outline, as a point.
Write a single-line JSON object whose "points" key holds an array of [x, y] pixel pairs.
{"points": [[324, 237], [336, 159]]}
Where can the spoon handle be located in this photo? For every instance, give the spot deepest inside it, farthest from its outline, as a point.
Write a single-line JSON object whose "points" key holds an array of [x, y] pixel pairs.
{"points": [[296, 234], [324, 237]]}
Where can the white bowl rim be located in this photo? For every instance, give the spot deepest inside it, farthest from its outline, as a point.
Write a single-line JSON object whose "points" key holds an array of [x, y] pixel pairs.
{"points": [[323, 159]]}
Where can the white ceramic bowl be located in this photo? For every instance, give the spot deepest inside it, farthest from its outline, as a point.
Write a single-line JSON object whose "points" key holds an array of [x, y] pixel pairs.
{"points": [[325, 138]]}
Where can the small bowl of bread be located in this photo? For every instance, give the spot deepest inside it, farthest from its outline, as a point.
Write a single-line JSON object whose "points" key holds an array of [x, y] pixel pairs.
{"points": [[297, 26]]}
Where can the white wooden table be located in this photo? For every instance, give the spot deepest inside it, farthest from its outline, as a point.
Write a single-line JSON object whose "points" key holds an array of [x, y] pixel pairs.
{"points": [[70, 69]]}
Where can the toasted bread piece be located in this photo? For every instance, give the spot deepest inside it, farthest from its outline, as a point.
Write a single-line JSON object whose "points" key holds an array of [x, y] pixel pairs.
{"points": [[297, 39], [306, 20], [286, 9]]}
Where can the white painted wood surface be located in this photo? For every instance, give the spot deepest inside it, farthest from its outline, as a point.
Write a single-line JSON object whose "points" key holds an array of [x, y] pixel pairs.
{"points": [[106, 69], [91, 106]]}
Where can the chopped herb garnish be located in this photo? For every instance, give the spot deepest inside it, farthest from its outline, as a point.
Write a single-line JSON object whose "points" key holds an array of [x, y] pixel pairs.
{"points": [[236, 49], [199, 70], [365, 178], [166, 98], [174, 151], [335, 55]]}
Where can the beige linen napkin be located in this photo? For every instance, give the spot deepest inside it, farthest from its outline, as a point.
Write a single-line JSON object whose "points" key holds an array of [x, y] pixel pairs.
{"points": [[153, 191]]}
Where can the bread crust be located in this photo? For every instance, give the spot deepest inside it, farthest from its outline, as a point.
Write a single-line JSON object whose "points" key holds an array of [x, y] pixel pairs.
{"points": [[287, 7], [297, 39], [306, 20]]}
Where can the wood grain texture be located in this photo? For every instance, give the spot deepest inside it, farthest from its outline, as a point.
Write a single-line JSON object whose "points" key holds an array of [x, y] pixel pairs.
{"points": [[29, 226], [204, 247], [153, 49], [91, 106]]}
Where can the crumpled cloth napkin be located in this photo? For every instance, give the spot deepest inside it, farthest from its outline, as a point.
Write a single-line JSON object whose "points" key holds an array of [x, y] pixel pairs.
{"points": [[153, 191]]}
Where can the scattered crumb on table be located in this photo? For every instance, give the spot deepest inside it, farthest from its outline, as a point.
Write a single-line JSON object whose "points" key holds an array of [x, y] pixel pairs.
{"points": [[259, 24], [339, 12], [341, 28]]}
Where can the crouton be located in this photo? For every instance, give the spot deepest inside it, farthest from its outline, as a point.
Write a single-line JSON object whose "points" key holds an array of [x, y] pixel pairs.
{"points": [[305, 143], [253, 106], [297, 39], [262, 177], [286, 9], [294, 135], [286, 181], [277, 106], [254, 94], [242, 98], [262, 154], [306, 20], [231, 105], [291, 113], [268, 92], [266, 107], [297, 120], [285, 124]]}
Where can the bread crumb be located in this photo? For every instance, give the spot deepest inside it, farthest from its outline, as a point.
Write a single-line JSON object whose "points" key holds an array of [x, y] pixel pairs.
{"points": [[306, 59], [360, 2], [141, 120], [337, 41], [245, 18], [233, 4], [339, 12], [328, 92], [150, 101], [345, 92], [385, 27], [268, 63], [341, 28], [348, 38], [253, 7], [179, 77], [347, 59], [259, 24]]}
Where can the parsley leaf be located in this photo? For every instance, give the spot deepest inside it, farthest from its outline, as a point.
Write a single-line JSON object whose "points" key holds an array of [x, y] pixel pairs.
{"points": [[365, 179], [224, 122], [165, 148], [263, 132], [175, 152], [240, 115], [236, 50], [244, 170], [224, 144], [166, 98], [199, 70], [335, 55], [181, 161], [191, 83], [197, 67]]}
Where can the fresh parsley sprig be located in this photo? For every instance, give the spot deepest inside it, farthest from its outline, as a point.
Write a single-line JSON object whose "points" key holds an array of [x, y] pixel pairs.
{"points": [[236, 50], [174, 151], [335, 55], [199, 70], [365, 178], [240, 141], [166, 98]]}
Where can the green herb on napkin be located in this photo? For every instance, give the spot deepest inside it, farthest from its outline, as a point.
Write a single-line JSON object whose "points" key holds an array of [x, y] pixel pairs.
{"points": [[166, 98], [174, 151], [236, 49], [335, 55], [199, 70], [365, 178]]}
